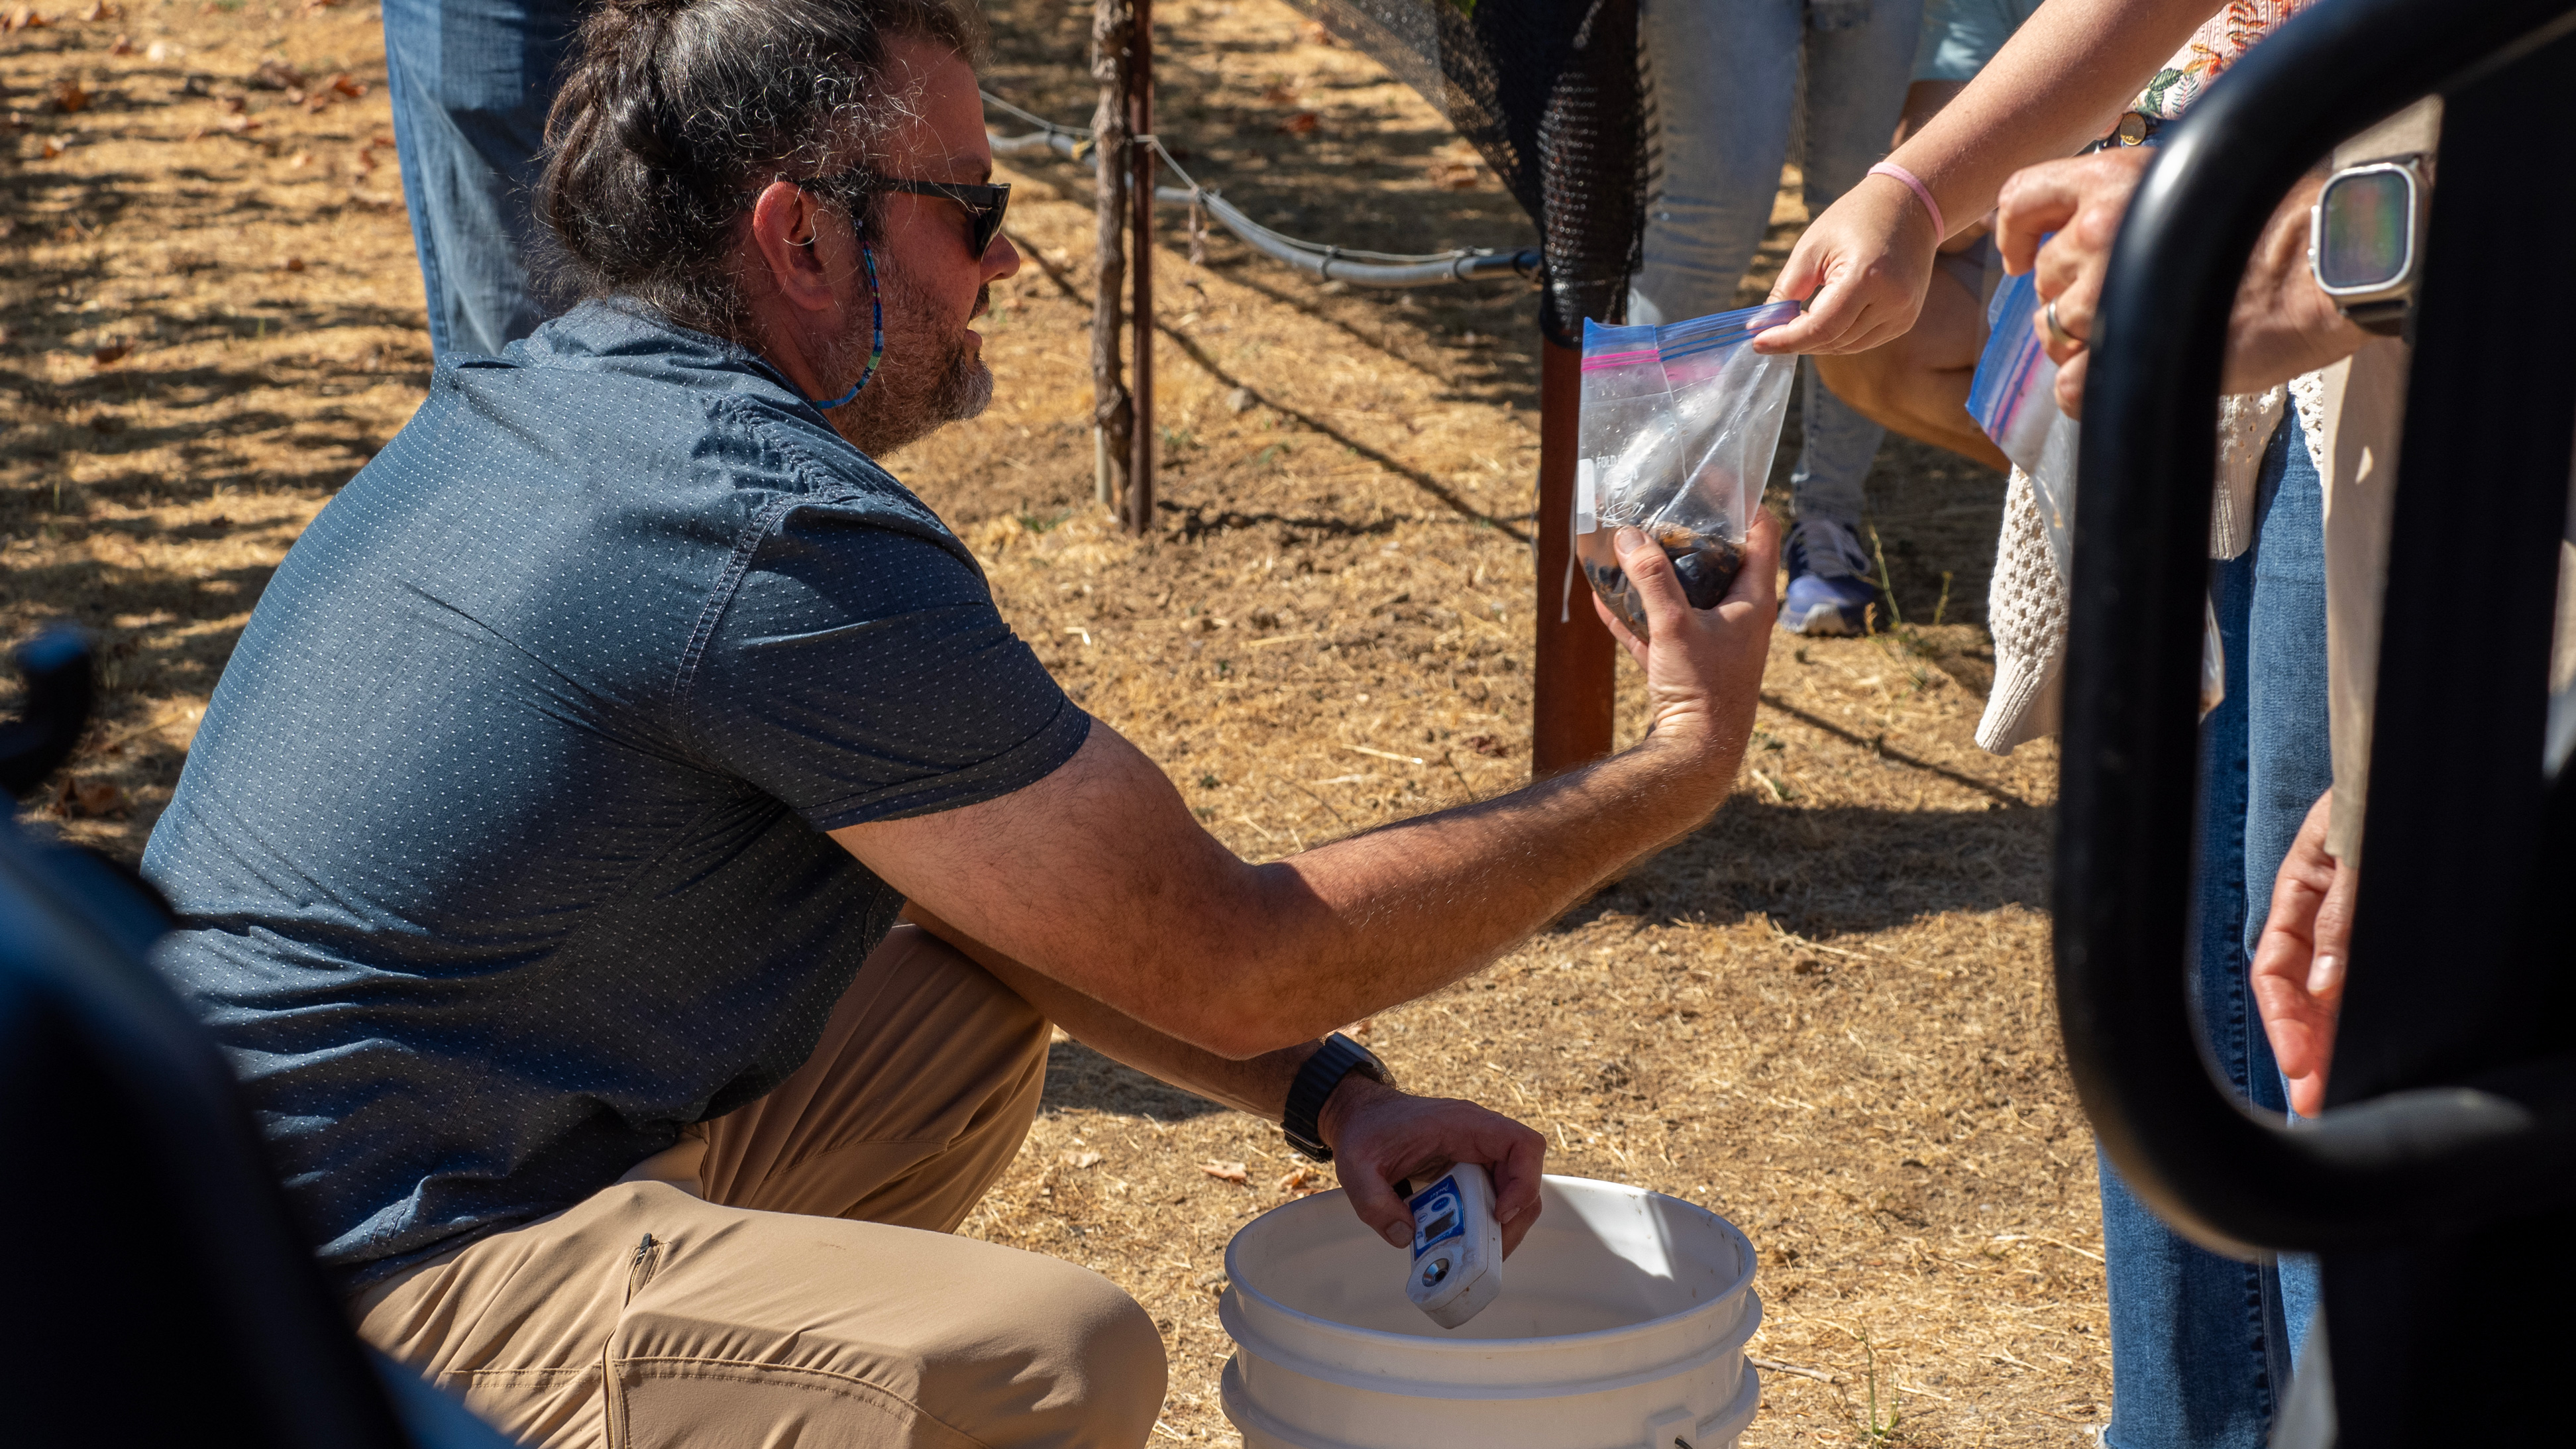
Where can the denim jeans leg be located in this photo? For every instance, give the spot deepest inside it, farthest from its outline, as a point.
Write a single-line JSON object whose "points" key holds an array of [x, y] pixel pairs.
{"points": [[1859, 53], [1725, 74], [2202, 1347], [2290, 760], [470, 82], [2188, 1327]]}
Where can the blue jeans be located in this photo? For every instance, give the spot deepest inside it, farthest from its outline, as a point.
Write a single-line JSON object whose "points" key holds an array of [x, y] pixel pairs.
{"points": [[1726, 81], [2202, 1346], [471, 81]]}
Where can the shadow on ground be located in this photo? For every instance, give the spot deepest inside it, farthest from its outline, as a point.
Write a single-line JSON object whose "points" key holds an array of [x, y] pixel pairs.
{"points": [[1839, 869], [1078, 1077]]}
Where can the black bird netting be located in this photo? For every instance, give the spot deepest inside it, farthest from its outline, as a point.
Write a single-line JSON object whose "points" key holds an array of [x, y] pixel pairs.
{"points": [[1552, 94]]}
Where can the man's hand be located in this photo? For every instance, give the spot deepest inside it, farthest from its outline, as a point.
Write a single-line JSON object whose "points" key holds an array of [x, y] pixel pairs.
{"points": [[1862, 269], [2081, 200], [2299, 961], [1703, 666], [1381, 1136]]}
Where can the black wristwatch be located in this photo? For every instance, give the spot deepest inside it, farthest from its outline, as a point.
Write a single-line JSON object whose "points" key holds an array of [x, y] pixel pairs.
{"points": [[1315, 1082]]}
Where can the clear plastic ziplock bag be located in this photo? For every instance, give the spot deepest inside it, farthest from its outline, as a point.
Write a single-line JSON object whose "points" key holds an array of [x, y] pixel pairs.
{"points": [[2013, 397], [1678, 427]]}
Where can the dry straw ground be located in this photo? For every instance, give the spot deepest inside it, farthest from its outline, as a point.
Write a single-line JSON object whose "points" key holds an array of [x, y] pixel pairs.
{"points": [[1827, 1015]]}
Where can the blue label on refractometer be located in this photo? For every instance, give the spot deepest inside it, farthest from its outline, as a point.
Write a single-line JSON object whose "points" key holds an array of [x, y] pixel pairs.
{"points": [[1438, 1215]]}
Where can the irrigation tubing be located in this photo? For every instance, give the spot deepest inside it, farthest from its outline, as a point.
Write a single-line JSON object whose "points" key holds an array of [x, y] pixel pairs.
{"points": [[1324, 263]]}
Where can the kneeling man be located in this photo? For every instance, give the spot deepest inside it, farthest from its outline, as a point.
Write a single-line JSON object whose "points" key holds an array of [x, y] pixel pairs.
{"points": [[541, 856]]}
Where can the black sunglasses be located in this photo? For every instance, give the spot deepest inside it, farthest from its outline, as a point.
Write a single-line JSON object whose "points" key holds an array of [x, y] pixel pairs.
{"points": [[984, 205]]}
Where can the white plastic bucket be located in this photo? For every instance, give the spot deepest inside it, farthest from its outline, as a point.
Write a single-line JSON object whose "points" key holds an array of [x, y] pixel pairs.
{"points": [[1621, 1325]]}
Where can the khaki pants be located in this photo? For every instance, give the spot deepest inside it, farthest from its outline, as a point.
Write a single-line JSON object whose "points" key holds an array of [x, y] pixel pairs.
{"points": [[786, 1275]]}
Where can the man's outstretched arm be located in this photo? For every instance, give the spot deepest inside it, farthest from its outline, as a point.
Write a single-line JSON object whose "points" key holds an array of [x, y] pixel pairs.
{"points": [[1098, 877], [1379, 1135]]}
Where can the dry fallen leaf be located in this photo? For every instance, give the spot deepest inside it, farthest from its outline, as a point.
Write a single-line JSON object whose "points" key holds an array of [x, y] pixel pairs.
{"points": [[70, 95], [233, 105], [1454, 175], [1297, 1181], [113, 352], [1282, 94], [1227, 1171], [122, 45], [22, 18], [87, 798], [51, 150], [1302, 123], [296, 264], [347, 87], [276, 75], [100, 10], [1314, 33], [1082, 1159]]}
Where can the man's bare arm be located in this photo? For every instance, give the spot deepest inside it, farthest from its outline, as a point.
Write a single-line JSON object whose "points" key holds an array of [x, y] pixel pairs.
{"points": [[1099, 878], [1380, 1135]]}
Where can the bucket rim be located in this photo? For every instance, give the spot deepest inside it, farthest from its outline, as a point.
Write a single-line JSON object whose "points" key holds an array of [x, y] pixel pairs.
{"points": [[1550, 1344], [1234, 1397]]}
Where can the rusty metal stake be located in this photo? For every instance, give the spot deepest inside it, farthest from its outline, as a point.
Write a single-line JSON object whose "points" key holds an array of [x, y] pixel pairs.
{"points": [[1575, 670]]}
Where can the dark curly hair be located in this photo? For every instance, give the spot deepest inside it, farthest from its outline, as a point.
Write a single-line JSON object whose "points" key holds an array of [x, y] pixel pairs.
{"points": [[673, 110]]}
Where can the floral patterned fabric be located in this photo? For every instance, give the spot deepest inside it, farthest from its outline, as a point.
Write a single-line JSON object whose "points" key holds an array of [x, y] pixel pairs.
{"points": [[2212, 49]]}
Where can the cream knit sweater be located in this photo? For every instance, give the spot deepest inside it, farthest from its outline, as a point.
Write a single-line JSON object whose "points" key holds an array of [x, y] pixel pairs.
{"points": [[2026, 604]]}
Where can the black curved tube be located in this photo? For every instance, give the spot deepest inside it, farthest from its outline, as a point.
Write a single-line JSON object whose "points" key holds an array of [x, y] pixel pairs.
{"points": [[2367, 1173]]}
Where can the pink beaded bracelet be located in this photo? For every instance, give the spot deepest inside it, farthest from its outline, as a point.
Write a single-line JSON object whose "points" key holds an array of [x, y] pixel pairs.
{"points": [[1923, 193]]}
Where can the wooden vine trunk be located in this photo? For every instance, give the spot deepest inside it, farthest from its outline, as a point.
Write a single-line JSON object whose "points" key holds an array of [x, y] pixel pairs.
{"points": [[1113, 410]]}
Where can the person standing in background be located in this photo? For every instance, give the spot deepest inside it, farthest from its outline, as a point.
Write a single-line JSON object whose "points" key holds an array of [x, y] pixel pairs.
{"points": [[471, 81], [1918, 384], [2202, 1346], [1726, 105]]}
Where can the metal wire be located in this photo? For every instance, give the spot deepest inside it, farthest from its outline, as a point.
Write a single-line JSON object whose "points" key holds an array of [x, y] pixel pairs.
{"points": [[1325, 263]]}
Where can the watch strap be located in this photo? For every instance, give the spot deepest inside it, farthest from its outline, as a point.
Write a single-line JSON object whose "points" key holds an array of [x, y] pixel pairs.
{"points": [[1338, 1058], [2386, 317]]}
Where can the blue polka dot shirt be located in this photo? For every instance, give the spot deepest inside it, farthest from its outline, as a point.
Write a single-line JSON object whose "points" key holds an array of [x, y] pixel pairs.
{"points": [[500, 852]]}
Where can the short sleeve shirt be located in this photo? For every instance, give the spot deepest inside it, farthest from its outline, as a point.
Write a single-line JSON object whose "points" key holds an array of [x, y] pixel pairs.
{"points": [[1960, 36], [500, 854]]}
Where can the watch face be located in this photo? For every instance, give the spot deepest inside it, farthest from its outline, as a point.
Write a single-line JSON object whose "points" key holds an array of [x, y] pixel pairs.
{"points": [[2366, 230]]}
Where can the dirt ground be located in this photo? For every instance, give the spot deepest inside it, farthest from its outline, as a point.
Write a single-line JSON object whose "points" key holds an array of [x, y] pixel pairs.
{"points": [[1826, 1016]]}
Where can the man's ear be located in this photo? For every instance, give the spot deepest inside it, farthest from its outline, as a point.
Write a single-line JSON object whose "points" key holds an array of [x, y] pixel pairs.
{"points": [[787, 227]]}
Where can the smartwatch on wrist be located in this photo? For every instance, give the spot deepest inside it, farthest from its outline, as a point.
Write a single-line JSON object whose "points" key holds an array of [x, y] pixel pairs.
{"points": [[1315, 1082], [2366, 241]]}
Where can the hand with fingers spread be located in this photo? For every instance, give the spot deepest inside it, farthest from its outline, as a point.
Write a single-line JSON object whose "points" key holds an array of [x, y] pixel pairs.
{"points": [[2060, 219], [2298, 971], [1381, 1137], [1703, 666]]}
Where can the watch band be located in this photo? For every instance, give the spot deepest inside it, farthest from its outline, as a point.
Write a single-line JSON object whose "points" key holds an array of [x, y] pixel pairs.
{"points": [[2386, 317], [1315, 1082]]}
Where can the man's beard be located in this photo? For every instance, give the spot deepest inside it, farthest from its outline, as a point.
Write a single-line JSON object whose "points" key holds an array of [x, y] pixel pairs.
{"points": [[926, 380]]}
